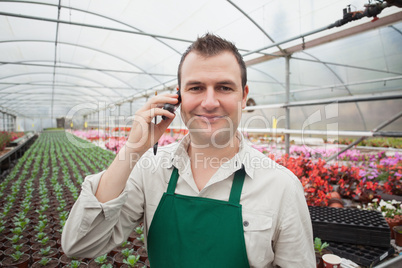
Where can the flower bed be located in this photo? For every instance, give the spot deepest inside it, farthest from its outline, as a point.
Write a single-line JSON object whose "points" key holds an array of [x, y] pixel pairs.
{"points": [[356, 176], [7, 137], [37, 195]]}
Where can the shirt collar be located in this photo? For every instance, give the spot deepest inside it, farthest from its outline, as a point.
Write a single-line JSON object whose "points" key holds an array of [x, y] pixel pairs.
{"points": [[180, 159]]}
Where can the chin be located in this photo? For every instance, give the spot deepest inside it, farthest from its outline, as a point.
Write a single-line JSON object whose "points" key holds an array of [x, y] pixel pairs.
{"points": [[217, 138]]}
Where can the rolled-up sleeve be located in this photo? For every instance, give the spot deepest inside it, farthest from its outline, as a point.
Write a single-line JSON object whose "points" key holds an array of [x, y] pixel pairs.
{"points": [[94, 228]]}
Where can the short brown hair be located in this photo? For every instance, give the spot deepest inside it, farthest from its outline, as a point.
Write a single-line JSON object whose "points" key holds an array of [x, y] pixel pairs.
{"points": [[212, 45]]}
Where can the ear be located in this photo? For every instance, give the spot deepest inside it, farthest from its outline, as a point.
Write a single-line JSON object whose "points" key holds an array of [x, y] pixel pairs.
{"points": [[244, 100]]}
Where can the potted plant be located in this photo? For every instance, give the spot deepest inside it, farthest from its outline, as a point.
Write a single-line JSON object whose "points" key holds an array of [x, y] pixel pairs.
{"points": [[398, 235], [75, 264], [66, 260], [44, 242], [139, 242], [391, 210], [138, 231], [121, 256], [142, 251], [320, 249], [125, 245], [101, 261], [17, 259], [24, 248], [46, 263], [133, 262], [48, 252]]}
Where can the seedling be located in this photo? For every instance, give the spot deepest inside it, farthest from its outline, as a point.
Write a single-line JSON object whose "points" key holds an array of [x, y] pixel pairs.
{"points": [[141, 238], [41, 226], [74, 264], [17, 247], [319, 246], [40, 236], [125, 243], [15, 238], [45, 251], [44, 240], [17, 255], [107, 265], [44, 261], [127, 252], [63, 215], [22, 223], [17, 231], [101, 259], [131, 260], [139, 230]]}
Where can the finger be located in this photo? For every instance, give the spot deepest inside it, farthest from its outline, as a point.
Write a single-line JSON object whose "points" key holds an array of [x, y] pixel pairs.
{"points": [[160, 100], [164, 124], [148, 116]]}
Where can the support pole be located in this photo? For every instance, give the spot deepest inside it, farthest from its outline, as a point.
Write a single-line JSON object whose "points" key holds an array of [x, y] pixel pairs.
{"points": [[118, 118], [381, 126], [287, 109]]}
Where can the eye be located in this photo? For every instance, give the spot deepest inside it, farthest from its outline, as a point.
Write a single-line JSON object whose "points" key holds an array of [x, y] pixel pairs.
{"points": [[223, 88], [194, 89]]}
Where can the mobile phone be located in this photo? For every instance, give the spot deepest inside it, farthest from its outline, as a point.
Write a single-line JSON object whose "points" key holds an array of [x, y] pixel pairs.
{"points": [[170, 107]]}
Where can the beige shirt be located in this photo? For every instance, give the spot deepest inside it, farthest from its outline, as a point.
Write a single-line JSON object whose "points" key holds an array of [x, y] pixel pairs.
{"points": [[276, 221]]}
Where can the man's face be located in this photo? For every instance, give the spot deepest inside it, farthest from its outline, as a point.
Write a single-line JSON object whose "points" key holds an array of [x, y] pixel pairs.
{"points": [[212, 97]]}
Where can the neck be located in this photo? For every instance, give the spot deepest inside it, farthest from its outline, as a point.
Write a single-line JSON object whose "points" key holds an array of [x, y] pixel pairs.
{"points": [[213, 153]]}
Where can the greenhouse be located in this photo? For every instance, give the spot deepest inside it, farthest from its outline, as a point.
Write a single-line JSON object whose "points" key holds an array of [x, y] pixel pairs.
{"points": [[323, 99]]}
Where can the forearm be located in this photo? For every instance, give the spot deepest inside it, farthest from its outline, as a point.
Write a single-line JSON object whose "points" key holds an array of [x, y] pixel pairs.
{"points": [[143, 135], [114, 180], [93, 228]]}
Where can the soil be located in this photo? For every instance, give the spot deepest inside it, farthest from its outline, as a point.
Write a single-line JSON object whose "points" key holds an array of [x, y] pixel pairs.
{"points": [[93, 264], [53, 253], [120, 248], [133, 236], [24, 249], [38, 246], [137, 244], [21, 263], [118, 259], [64, 259], [137, 265], [142, 251], [82, 265], [53, 263]]}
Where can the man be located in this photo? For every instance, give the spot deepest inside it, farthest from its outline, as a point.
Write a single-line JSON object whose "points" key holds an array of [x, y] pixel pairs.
{"points": [[209, 201]]}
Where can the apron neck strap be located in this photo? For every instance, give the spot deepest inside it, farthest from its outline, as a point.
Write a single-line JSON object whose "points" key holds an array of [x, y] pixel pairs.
{"points": [[173, 181], [237, 186], [235, 192]]}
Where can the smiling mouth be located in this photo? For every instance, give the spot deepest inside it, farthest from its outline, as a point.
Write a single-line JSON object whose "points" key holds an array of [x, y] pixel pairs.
{"points": [[210, 118]]}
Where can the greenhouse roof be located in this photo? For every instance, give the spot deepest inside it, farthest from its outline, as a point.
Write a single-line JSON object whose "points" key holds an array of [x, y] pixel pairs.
{"points": [[57, 55]]}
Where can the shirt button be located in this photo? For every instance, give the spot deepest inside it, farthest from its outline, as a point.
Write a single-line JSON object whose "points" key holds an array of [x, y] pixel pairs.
{"points": [[245, 223]]}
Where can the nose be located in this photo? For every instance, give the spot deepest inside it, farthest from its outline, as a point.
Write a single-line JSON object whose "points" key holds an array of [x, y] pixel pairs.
{"points": [[210, 100]]}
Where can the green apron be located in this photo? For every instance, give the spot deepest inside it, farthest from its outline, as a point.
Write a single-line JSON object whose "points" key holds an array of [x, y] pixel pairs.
{"points": [[191, 232]]}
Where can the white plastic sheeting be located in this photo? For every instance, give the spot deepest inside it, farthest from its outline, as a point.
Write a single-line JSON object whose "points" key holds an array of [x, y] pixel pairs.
{"points": [[61, 56]]}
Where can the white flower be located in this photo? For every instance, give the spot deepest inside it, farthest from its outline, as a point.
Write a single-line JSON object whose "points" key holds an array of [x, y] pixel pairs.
{"points": [[394, 202], [383, 214], [389, 206], [383, 203], [375, 200], [358, 206]]}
